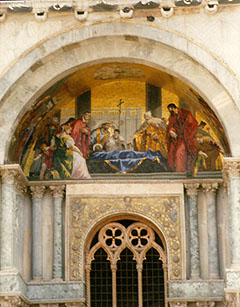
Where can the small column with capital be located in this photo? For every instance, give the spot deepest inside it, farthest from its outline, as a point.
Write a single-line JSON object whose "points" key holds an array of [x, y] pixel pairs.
{"points": [[58, 193], [37, 192], [21, 191], [7, 225], [192, 209], [213, 262]]}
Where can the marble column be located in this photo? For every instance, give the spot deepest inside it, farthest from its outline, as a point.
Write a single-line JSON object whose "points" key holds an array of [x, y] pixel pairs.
{"points": [[37, 192], [58, 194], [21, 191], [192, 211], [7, 224], [209, 190], [232, 180]]}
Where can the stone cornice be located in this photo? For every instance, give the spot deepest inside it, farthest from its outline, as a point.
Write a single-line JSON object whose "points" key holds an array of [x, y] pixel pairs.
{"points": [[80, 9]]}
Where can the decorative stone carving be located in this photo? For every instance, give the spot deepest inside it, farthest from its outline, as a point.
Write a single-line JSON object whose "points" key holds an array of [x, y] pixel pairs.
{"points": [[21, 187], [57, 190], [126, 12], [211, 7], [232, 298], [231, 167], [84, 212], [37, 191], [40, 15], [8, 176], [210, 187], [167, 11], [80, 14], [12, 301], [191, 188]]}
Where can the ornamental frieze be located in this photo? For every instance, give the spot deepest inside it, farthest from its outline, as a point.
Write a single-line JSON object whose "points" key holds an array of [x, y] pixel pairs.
{"points": [[85, 212]]}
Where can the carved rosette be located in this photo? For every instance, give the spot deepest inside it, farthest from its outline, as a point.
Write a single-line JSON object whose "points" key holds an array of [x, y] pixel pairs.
{"points": [[57, 191], [85, 212], [37, 191]]}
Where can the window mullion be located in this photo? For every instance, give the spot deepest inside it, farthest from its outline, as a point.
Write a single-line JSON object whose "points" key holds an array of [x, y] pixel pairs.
{"points": [[114, 285], [139, 270]]}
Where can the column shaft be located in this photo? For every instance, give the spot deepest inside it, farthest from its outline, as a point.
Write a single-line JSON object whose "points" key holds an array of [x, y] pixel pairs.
{"points": [[213, 259], [57, 238], [7, 226], [57, 192], [37, 260], [192, 197]]}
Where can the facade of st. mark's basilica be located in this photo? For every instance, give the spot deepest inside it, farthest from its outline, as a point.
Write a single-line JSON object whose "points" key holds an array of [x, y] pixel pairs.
{"points": [[120, 153]]}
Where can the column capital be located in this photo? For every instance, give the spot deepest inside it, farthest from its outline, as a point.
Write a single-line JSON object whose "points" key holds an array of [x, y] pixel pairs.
{"points": [[57, 190], [231, 167], [20, 185], [191, 188], [37, 191], [210, 187], [8, 175]]}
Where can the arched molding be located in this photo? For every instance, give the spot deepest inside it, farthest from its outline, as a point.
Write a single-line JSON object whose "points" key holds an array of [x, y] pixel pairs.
{"points": [[166, 51]]}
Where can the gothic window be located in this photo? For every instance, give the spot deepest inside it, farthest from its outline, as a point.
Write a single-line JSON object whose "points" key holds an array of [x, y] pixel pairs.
{"points": [[126, 267]]}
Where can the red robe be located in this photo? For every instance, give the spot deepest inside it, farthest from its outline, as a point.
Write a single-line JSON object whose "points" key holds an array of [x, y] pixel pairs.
{"points": [[182, 151], [81, 140]]}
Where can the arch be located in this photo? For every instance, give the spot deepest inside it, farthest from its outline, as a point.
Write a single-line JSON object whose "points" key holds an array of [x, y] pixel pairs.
{"points": [[138, 238], [166, 51]]}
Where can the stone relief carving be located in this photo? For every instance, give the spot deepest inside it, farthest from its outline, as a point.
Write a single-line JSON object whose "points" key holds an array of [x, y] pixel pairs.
{"points": [[232, 299], [88, 211], [12, 301]]}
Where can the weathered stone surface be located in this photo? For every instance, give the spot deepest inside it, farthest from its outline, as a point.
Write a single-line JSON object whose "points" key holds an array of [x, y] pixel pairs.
{"points": [[55, 291], [196, 289]]}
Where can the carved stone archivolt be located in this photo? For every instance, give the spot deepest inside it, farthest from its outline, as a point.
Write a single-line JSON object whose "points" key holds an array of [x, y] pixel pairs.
{"points": [[85, 212]]}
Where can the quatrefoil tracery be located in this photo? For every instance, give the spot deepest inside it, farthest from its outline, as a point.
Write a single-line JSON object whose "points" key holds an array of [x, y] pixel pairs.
{"points": [[114, 237]]}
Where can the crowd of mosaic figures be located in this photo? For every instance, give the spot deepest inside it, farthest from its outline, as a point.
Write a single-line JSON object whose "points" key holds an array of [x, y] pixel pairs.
{"points": [[61, 150]]}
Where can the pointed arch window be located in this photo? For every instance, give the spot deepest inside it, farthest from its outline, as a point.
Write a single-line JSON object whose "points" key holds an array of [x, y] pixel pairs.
{"points": [[126, 267]]}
